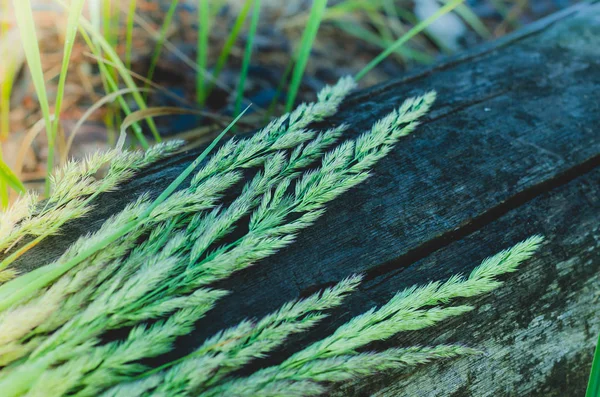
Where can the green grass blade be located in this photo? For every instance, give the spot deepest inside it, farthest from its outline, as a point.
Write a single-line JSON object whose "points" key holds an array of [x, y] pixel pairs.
{"points": [[593, 389], [9, 177], [278, 91], [247, 56], [108, 29], [161, 39], [129, 32], [7, 81], [202, 50], [111, 86], [472, 20], [27, 284], [4, 198], [308, 37], [4, 194], [24, 16], [370, 37], [233, 35], [70, 34], [409, 35], [123, 71]]}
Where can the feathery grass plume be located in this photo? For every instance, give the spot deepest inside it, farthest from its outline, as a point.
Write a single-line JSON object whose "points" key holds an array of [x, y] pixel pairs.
{"points": [[139, 299], [73, 188], [313, 378], [235, 347], [342, 168], [270, 228], [251, 154], [285, 132], [141, 277], [251, 249], [336, 357], [232, 349], [62, 300], [156, 277], [22, 208], [110, 310], [183, 200]]}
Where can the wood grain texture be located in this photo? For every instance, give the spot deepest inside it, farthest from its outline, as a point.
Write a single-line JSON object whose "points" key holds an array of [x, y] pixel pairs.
{"points": [[511, 149]]}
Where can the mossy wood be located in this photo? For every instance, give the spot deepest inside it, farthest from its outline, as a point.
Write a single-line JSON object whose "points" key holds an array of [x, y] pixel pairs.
{"points": [[511, 149]]}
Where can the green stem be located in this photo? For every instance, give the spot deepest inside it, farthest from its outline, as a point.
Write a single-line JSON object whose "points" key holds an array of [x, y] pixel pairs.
{"points": [[161, 40], [308, 37], [247, 56], [235, 32], [409, 35], [593, 389], [201, 60], [129, 34]]}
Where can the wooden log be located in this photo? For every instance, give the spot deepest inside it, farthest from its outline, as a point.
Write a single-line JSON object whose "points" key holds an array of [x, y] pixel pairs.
{"points": [[511, 149]]}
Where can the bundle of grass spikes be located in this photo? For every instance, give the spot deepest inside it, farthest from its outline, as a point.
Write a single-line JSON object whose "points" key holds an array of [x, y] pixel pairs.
{"points": [[156, 280]]}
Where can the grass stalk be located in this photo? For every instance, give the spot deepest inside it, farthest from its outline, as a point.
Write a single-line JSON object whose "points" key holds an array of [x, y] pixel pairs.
{"points": [[593, 389], [7, 80], [109, 28], [409, 35], [202, 50], [111, 86], [70, 34], [161, 39], [26, 23], [97, 37], [247, 56], [228, 46], [129, 32], [308, 37]]}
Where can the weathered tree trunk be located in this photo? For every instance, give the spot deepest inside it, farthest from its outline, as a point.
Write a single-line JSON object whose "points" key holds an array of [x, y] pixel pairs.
{"points": [[511, 149]]}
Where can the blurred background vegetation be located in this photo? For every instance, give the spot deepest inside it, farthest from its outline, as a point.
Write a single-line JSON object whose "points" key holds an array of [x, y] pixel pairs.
{"points": [[197, 63]]}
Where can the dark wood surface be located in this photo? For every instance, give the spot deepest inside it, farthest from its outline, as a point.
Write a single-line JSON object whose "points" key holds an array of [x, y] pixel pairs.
{"points": [[511, 149]]}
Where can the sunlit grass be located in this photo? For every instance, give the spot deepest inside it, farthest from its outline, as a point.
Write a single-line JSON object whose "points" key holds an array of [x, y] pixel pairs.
{"points": [[123, 72], [7, 77], [101, 36], [110, 20], [6, 84], [26, 23], [113, 87], [70, 34]]}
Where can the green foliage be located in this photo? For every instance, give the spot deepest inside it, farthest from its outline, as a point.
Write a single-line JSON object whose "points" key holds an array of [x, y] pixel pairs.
{"points": [[593, 388], [247, 56], [450, 5], [202, 56], [310, 32], [73, 189], [129, 24], [24, 15], [231, 38], [161, 40], [151, 269]]}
